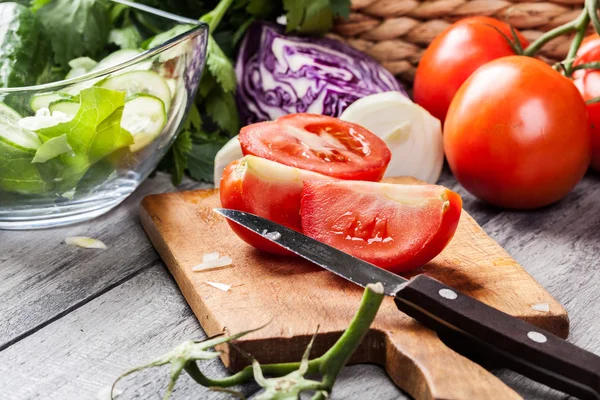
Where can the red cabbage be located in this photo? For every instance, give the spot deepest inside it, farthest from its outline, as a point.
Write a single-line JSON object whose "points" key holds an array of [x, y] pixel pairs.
{"points": [[279, 74]]}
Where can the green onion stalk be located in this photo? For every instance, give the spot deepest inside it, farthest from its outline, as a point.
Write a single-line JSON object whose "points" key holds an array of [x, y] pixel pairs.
{"points": [[287, 380]]}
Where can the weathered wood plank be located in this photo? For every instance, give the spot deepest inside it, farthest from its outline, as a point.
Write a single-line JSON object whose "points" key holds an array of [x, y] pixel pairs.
{"points": [[559, 245], [42, 278], [82, 353]]}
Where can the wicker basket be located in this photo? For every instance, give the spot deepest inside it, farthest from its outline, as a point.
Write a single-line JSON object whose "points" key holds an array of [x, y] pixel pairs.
{"points": [[396, 32]]}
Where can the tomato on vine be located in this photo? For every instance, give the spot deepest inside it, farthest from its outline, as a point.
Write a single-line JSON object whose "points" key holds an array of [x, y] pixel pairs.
{"points": [[455, 54], [517, 134]]}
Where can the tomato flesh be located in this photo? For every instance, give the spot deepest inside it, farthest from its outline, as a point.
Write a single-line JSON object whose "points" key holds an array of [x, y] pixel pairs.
{"points": [[267, 189], [517, 134], [318, 143], [396, 227], [454, 55]]}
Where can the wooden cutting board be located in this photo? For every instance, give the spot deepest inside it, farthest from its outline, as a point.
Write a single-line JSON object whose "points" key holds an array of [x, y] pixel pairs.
{"points": [[294, 297]]}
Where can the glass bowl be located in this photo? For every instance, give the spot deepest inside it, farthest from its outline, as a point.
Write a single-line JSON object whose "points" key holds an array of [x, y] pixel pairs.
{"points": [[85, 162]]}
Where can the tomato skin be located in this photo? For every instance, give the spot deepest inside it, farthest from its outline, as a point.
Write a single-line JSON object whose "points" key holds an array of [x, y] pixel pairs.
{"points": [[454, 55], [267, 189], [517, 134], [588, 83], [285, 141], [396, 227]]}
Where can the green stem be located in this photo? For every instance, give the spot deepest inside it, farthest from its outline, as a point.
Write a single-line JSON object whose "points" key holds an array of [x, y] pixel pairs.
{"points": [[570, 26], [576, 43], [592, 7], [590, 65], [329, 364], [213, 18], [337, 356], [246, 374]]}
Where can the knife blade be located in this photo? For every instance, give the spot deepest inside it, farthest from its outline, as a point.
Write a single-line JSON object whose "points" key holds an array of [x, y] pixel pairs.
{"points": [[521, 346]]}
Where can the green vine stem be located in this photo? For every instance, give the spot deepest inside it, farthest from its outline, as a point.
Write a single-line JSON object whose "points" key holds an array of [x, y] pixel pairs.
{"points": [[590, 65], [570, 26], [328, 365], [592, 7]]}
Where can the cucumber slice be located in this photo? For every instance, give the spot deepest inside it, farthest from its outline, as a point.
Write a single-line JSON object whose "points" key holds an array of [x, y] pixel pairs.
{"points": [[145, 118], [19, 138], [68, 107], [43, 100], [140, 82], [8, 114], [115, 58]]}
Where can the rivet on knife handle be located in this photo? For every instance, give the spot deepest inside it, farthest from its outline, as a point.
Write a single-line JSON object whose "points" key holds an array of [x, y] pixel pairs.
{"points": [[523, 347]]}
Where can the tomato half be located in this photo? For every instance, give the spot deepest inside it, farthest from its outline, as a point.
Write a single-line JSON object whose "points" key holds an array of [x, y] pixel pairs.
{"points": [[517, 134], [318, 143], [396, 227], [265, 188], [588, 83], [454, 55]]}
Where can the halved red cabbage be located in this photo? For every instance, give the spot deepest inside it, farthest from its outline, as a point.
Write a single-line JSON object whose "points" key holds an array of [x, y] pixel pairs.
{"points": [[279, 74]]}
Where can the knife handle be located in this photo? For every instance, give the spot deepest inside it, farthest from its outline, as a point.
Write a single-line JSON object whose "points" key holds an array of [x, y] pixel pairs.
{"points": [[521, 346]]}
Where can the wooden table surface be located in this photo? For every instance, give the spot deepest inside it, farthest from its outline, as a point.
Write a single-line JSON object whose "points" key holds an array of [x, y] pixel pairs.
{"points": [[71, 319]]}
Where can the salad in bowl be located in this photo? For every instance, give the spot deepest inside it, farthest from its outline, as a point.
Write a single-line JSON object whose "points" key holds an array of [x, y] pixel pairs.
{"points": [[78, 136]]}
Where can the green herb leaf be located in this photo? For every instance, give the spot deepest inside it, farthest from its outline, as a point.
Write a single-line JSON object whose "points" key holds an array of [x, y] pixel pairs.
{"points": [[76, 27], [176, 160], [314, 17], [128, 37], [201, 161], [221, 108], [37, 4], [220, 66], [262, 8], [24, 47], [340, 8]]}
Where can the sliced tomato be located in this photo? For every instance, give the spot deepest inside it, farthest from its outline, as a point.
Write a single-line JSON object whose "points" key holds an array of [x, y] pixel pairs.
{"points": [[265, 188], [396, 227], [319, 143]]}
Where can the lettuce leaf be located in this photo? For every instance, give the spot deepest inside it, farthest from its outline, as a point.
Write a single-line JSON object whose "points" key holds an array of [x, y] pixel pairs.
{"points": [[94, 133]]}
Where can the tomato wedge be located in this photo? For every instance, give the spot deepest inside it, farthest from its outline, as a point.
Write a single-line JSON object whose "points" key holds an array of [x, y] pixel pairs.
{"points": [[318, 143], [396, 227], [265, 188]]}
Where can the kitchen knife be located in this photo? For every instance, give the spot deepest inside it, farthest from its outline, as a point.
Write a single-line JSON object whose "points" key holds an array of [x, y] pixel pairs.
{"points": [[522, 347]]}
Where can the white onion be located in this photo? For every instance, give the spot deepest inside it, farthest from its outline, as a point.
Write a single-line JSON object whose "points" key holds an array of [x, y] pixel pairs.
{"points": [[228, 153], [412, 134], [85, 242], [221, 286]]}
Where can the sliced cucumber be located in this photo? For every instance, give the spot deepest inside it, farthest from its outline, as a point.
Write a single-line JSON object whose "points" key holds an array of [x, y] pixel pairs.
{"points": [[68, 107], [116, 58], [80, 66], [140, 82], [19, 138], [145, 118], [8, 114], [44, 99]]}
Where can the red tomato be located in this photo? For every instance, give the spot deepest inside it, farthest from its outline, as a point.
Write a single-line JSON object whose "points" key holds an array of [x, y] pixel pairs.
{"points": [[454, 55], [588, 83], [396, 227], [589, 42], [517, 134], [267, 189], [319, 143]]}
